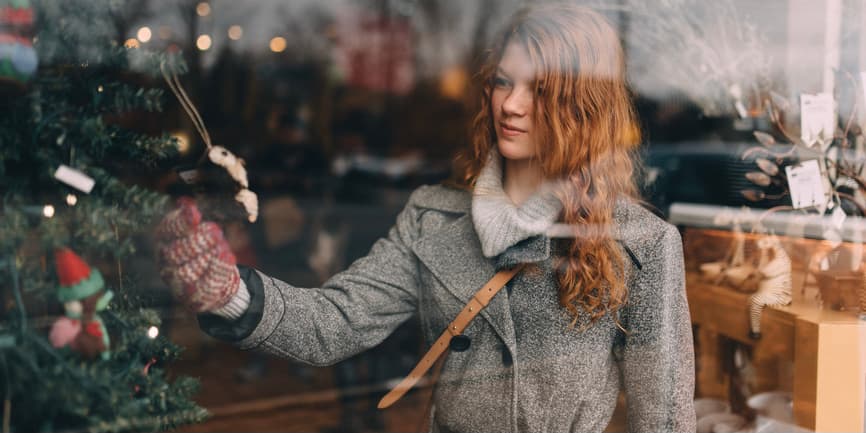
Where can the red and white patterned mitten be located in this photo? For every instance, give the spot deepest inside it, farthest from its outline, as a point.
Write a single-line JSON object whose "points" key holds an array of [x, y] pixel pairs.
{"points": [[195, 259]]}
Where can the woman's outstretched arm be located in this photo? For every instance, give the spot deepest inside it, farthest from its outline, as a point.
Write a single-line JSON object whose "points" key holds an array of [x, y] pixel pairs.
{"points": [[352, 311]]}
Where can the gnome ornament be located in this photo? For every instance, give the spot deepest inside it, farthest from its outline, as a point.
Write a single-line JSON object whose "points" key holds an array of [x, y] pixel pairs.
{"points": [[82, 292], [18, 59]]}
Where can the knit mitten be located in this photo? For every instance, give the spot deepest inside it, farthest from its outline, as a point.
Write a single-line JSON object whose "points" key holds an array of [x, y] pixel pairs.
{"points": [[195, 259]]}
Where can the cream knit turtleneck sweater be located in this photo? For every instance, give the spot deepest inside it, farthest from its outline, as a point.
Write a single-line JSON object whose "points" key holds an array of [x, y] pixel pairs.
{"points": [[498, 222]]}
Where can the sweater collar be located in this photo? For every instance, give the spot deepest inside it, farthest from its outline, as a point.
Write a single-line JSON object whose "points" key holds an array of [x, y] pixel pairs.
{"points": [[501, 224]]}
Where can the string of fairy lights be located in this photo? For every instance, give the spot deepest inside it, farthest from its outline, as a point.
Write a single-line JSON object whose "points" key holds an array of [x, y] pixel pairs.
{"points": [[204, 41]]}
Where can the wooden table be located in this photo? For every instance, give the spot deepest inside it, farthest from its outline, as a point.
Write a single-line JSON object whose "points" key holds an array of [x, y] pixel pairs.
{"points": [[827, 349]]}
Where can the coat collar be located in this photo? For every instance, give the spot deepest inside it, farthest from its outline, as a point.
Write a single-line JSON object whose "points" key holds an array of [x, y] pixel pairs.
{"points": [[443, 198], [454, 256], [459, 201]]}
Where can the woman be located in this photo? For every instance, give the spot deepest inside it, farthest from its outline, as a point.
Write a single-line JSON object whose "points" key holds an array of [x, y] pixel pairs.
{"points": [[549, 183]]}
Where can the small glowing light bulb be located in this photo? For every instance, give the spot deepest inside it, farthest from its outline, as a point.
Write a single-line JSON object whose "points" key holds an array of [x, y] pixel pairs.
{"points": [[100, 89], [144, 34], [278, 44], [48, 211], [235, 32], [202, 9], [152, 332], [203, 42], [71, 199]]}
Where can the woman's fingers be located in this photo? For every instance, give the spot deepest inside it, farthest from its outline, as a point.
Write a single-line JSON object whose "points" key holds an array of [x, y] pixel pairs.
{"points": [[206, 276], [199, 242], [180, 221], [218, 283]]}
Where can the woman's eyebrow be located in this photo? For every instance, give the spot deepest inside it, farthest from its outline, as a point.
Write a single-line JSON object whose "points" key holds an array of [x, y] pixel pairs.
{"points": [[500, 71]]}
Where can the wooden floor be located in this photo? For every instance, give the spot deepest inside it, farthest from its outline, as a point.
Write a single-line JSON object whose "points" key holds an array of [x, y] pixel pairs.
{"points": [[285, 397]]}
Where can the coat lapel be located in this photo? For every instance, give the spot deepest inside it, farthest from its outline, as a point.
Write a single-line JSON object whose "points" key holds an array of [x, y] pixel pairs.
{"points": [[454, 257]]}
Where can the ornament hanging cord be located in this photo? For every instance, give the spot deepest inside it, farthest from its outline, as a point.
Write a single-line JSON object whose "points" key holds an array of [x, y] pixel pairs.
{"points": [[174, 84]]}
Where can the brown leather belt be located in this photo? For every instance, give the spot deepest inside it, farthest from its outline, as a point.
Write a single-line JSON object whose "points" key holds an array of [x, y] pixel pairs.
{"points": [[480, 300]]}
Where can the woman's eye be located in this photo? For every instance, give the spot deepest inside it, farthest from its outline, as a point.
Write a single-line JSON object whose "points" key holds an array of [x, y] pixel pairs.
{"points": [[540, 86], [500, 82]]}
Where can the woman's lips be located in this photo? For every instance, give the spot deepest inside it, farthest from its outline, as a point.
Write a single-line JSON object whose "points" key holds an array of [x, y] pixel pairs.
{"points": [[510, 130]]}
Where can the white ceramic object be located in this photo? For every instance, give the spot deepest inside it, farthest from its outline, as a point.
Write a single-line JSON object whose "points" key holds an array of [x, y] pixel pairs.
{"points": [[721, 423], [709, 406], [767, 425], [778, 405]]}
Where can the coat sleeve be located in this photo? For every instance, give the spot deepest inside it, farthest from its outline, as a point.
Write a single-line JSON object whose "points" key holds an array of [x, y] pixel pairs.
{"points": [[657, 359], [352, 311]]}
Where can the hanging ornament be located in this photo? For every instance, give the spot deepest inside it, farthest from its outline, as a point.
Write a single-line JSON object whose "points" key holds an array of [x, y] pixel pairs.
{"points": [[136, 389], [82, 292], [146, 368], [218, 155], [18, 60]]}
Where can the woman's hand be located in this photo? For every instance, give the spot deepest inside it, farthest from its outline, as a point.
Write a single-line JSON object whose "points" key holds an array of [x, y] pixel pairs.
{"points": [[195, 260]]}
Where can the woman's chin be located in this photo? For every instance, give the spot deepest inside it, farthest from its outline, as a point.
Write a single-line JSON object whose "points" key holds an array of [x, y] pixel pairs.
{"points": [[513, 151]]}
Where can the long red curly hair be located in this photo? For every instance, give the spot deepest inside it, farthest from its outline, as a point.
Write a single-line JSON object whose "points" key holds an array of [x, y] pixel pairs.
{"points": [[588, 135]]}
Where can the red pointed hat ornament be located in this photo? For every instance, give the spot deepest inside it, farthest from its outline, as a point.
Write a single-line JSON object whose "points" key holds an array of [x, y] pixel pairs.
{"points": [[77, 279], [81, 330]]}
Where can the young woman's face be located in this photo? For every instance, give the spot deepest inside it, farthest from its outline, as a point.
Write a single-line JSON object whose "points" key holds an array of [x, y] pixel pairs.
{"points": [[512, 102]]}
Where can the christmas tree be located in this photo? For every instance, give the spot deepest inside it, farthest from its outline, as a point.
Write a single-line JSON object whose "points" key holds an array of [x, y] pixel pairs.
{"points": [[70, 217]]}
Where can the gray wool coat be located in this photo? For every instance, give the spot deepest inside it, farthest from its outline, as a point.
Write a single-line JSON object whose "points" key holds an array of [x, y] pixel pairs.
{"points": [[526, 369]]}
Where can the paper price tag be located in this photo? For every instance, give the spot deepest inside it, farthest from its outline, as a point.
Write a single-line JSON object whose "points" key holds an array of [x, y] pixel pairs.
{"points": [[74, 178], [806, 184], [817, 119]]}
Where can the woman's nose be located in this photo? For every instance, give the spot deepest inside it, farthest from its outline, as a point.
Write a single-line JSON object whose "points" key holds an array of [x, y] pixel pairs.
{"points": [[517, 102]]}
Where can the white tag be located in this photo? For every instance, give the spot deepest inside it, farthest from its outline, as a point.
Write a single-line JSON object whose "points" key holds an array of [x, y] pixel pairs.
{"points": [[74, 178], [189, 176], [737, 93], [806, 184], [741, 109], [817, 119], [838, 217]]}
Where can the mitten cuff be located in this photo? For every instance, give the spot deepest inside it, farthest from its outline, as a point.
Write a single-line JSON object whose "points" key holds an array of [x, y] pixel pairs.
{"points": [[237, 305]]}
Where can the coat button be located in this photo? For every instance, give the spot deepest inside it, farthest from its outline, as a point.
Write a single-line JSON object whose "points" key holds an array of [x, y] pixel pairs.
{"points": [[506, 357], [459, 343]]}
